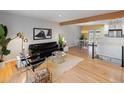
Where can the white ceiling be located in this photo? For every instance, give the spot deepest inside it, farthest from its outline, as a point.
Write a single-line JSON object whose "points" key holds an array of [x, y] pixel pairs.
{"points": [[58, 15]]}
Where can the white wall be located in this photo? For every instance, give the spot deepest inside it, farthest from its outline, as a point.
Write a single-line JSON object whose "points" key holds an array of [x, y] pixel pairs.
{"points": [[109, 46], [16, 23]]}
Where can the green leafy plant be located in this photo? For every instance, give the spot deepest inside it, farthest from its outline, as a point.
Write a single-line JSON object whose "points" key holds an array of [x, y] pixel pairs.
{"points": [[61, 42], [3, 42], [82, 37]]}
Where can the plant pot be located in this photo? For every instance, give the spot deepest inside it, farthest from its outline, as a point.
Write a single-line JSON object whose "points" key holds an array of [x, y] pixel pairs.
{"points": [[61, 49]]}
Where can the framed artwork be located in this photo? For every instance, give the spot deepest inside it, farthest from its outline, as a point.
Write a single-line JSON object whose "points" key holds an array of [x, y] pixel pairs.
{"points": [[42, 33]]}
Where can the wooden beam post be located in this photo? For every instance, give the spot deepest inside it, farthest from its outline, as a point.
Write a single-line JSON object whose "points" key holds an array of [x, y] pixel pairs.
{"points": [[107, 16]]}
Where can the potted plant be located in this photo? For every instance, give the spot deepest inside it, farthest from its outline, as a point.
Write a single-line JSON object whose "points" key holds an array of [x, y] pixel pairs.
{"points": [[81, 37], [61, 42], [3, 42]]}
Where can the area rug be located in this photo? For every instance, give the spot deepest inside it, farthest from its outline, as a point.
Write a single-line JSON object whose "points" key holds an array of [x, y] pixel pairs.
{"points": [[57, 70], [70, 62]]}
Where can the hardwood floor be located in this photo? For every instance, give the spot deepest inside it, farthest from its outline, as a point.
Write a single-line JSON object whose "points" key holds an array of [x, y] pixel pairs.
{"points": [[92, 70], [87, 71]]}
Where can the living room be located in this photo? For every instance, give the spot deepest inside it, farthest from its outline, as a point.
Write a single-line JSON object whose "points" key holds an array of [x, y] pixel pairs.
{"points": [[61, 46], [46, 40], [25, 25]]}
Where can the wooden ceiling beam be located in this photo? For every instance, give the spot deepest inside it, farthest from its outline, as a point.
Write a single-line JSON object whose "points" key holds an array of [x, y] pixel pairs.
{"points": [[107, 16]]}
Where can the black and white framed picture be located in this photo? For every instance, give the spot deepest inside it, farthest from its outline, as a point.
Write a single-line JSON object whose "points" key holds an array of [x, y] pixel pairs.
{"points": [[42, 33]]}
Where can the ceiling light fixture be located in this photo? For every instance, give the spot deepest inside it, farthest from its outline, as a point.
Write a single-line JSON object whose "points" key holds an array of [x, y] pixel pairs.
{"points": [[60, 15]]}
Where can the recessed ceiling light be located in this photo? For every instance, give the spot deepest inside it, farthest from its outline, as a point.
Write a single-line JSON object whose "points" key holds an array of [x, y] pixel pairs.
{"points": [[60, 15]]}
